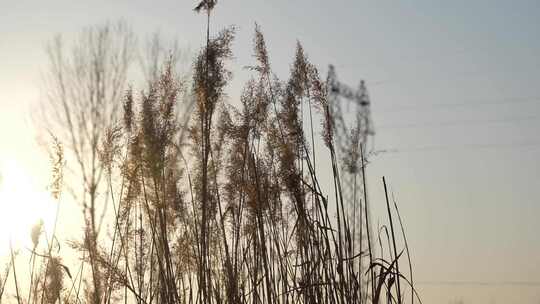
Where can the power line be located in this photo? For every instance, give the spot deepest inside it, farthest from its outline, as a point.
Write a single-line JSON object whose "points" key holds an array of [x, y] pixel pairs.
{"points": [[480, 283], [461, 146], [459, 123], [505, 101]]}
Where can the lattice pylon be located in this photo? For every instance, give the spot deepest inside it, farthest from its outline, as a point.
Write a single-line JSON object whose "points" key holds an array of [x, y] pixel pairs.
{"points": [[353, 128]]}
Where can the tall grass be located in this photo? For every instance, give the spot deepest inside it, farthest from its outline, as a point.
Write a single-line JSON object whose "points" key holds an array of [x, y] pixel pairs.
{"points": [[228, 207]]}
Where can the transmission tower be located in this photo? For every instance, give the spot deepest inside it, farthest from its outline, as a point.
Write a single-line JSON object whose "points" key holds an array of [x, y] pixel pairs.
{"points": [[353, 129]]}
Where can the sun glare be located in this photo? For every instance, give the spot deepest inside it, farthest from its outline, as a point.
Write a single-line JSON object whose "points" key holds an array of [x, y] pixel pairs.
{"points": [[22, 206]]}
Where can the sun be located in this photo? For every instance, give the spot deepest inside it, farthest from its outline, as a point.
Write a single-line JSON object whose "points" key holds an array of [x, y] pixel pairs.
{"points": [[22, 206]]}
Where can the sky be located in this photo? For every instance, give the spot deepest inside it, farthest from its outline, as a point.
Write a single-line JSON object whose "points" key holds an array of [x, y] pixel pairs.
{"points": [[455, 90]]}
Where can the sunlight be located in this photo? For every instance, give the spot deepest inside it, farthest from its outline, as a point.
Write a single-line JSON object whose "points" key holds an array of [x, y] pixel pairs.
{"points": [[22, 206]]}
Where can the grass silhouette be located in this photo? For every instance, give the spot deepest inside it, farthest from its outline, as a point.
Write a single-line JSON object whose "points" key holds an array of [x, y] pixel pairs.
{"points": [[223, 203]]}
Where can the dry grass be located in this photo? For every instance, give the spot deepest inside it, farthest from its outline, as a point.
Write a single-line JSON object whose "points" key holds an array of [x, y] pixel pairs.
{"points": [[228, 207]]}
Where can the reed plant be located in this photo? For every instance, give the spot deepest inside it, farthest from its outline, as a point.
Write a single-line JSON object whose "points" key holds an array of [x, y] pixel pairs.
{"points": [[229, 205]]}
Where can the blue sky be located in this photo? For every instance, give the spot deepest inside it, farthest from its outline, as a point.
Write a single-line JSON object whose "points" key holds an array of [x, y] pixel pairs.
{"points": [[455, 87]]}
